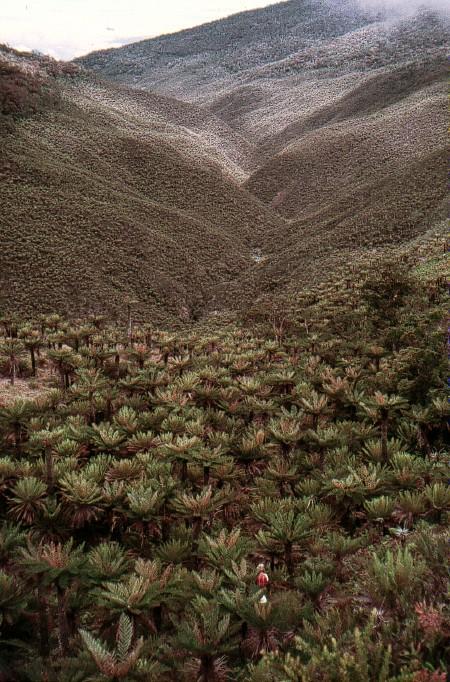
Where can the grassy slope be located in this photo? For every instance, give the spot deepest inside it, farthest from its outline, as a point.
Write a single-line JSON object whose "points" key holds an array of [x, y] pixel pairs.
{"points": [[109, 197], [324, 164], [346, 125], [338, 146]]}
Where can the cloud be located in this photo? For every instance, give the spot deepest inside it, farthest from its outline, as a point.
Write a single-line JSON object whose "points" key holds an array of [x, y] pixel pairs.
{"points": [[405, 6]]}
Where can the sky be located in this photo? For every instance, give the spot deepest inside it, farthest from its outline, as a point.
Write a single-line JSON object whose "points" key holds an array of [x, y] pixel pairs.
{"points": [[69, 28]]}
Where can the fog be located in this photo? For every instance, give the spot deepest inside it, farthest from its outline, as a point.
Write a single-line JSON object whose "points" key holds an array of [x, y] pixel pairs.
{"points": [[402, 7]]}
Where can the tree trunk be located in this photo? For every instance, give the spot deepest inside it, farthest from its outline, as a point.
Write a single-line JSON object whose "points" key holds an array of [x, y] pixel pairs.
{"points": [[384, 439], [424, 442], [288, 558], [33, 362], [206, 470], [147, 622], [63, 624], [13, 372], [206, 672], [49, 470], [197, 528], [44, 644], [17, 437]]}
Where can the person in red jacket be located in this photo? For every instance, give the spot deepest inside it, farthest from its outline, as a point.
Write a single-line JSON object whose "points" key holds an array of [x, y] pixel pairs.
{"points": [[262, 579]]}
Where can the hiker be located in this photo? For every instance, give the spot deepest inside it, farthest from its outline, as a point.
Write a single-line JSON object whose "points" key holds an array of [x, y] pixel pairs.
{"points": [[262, 581]]}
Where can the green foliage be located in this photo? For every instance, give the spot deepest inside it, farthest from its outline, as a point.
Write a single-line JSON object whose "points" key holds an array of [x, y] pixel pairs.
{"points": [[148, 497], [396, 576]]}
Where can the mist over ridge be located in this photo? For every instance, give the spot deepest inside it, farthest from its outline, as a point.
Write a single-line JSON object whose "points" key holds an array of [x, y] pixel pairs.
{"points": [[402, 7]]}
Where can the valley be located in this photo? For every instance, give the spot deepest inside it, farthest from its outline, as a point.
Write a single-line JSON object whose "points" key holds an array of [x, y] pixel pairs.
{"points": [[224, 423], [328, 137]]}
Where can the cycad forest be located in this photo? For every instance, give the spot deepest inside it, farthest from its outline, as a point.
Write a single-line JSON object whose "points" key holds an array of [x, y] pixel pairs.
{"points": [[149, 472]]}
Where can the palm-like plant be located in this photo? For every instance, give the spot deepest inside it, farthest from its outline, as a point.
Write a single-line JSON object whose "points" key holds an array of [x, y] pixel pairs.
{"points": [[13, 598], [14, 350], [265, 624], [198, 507], [287, 431], [58, 565], [107, 561], [32, 341], [284, 472], [255, 446], [83, 497], [314, 405], [65, 362], [88, 384], [106, 438], [181, 449], [382, 409], [14, 418], [285, 533], [117, 664], [140, 594], [27, 499], [206, 634], [225, 549]]}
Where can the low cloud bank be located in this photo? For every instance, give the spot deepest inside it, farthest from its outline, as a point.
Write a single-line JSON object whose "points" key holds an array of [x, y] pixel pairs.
{"points": [[406, 6]]}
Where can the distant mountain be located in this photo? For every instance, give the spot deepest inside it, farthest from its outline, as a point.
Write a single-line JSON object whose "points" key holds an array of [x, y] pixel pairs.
{"points": [[190, 62]]}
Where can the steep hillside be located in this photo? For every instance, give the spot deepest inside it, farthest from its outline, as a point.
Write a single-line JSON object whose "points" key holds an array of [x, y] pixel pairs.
{"points": [[117, 194], [321, 166], [242, 157], [201, 59], [344, 109]]}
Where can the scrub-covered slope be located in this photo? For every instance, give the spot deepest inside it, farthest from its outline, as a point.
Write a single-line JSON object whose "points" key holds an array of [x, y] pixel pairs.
{"points": [[114, 194]]}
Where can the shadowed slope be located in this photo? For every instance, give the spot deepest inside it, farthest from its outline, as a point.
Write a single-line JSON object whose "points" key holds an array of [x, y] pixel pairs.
{"points": [[323, 163]]}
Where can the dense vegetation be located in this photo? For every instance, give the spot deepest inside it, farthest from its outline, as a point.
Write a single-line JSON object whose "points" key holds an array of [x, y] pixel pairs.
{"points": [[221, 345], [154, 470]]}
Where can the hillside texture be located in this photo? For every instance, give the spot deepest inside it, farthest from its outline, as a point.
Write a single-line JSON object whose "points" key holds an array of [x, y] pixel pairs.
{"points": [[116, 194], [345, 112], [251, 155]]}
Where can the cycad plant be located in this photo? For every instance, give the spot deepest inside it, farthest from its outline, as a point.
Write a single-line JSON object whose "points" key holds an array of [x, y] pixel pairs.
{"points": [[205, 635], [286, 533], [58, 565], [382, 409], [116, 664]]}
